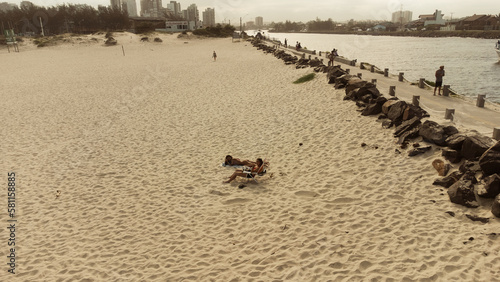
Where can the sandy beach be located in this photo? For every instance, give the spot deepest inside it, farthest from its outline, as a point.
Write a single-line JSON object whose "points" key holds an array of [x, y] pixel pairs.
{"points": [[134, 145]]}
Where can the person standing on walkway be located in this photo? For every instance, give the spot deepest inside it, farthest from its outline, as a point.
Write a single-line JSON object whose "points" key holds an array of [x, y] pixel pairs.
{"points": [[214, 56], [439, 80]]}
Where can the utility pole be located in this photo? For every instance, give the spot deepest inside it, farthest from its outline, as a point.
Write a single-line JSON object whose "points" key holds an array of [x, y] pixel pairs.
{"points": [[240, 26], [41, 25]]}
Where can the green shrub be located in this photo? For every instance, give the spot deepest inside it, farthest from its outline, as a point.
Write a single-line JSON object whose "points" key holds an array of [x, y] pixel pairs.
{"points": [[305, 78]]}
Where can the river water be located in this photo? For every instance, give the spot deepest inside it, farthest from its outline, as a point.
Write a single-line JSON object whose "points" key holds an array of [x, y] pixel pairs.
{"points": [[472, 66]]}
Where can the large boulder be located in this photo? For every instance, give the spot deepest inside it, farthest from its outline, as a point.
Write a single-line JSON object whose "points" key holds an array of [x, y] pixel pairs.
{"points": [[474, 146], [456, 141], [341, 81], [387, 105], [374, 108], [407, 125], [491, 187], [354, 83], [452, 155], [335, 72], [490, 160], [449, 180], [462, 193], [396, 111], [414, 111], [433, 132], [495, 208]]}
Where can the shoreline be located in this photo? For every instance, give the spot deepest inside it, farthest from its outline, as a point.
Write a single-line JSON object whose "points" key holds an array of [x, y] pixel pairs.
{"points": [[493, 34]]}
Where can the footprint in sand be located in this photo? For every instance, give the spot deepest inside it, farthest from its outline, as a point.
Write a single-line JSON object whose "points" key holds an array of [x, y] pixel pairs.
{"points": [[344, 200], [236, 201], [306, 194]]}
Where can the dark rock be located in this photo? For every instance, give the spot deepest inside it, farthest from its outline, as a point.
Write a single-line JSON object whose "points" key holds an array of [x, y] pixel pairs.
{"points": [[470, 166], [406, 126], [350, 96], [490, 160], [387, 106], [372, 109], [477, 218], [450, 130], [144, 39], [414, 111], [365, 98], [451, 213], [360, 104], [241, 186], [455, 141], [411, 134], [110, 41], [354, 83], [495, 208], [335, 72], [387, 124], [418, 151], [396, 111], [433, 132], [462, 193], [474, 146], [451, 155], [449, 180], [157, 39], [341, 81], [491, 187]]}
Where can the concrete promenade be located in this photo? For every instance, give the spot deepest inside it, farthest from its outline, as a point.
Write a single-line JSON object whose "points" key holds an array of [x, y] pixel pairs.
{"points": [[467, 114]]}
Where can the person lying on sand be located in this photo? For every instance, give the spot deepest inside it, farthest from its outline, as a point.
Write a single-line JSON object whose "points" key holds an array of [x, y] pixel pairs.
{"points": [[232, 161], [256, 169]]}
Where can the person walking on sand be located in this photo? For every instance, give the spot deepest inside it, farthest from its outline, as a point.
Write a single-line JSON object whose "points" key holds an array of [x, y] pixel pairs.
{"points": [[214, 56], [439, 80]]}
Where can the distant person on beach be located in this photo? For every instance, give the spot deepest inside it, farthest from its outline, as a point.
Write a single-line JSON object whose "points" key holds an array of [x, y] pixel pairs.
{"points": [[214, 56], [333, 54], [229, 160], [439, 80], [285, 42], [256, 169]]}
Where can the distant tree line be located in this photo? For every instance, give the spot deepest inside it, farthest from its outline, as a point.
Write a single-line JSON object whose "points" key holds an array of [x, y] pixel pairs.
{"points": [[64, 18], [216, 31]]}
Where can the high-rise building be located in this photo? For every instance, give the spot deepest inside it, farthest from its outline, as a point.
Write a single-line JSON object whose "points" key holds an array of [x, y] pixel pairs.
{"points": [[175, 8], [151, 8], [125, 5], [191, 13], [209, 17], [259, 22], [402, 17], [131, 7]]}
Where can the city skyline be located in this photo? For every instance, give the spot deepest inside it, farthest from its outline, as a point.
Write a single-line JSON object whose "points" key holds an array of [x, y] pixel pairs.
{"points": [[341, 10]]}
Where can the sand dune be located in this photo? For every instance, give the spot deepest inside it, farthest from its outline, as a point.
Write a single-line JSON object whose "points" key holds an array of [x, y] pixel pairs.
{"points": [[134, 143]]}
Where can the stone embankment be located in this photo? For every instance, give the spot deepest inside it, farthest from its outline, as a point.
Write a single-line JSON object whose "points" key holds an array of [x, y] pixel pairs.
{"points": [[478, 176]]}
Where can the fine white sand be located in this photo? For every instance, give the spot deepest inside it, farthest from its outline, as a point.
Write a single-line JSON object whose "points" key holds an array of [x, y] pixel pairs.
{"points": [[134, 144]]}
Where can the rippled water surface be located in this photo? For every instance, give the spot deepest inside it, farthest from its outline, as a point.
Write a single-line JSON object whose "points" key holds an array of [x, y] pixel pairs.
{"points": [[471, 65]]}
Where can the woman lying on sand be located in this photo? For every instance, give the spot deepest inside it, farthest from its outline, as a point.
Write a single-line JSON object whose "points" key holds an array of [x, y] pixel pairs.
{"points": [[256, 169], [232, 161]]}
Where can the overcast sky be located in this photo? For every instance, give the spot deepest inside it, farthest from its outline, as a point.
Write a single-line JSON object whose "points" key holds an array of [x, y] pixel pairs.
{"points": [[306, 10]]}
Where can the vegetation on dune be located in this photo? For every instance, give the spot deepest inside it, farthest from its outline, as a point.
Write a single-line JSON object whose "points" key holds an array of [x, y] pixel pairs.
{"points": [[216, 31], [305, 78]]}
